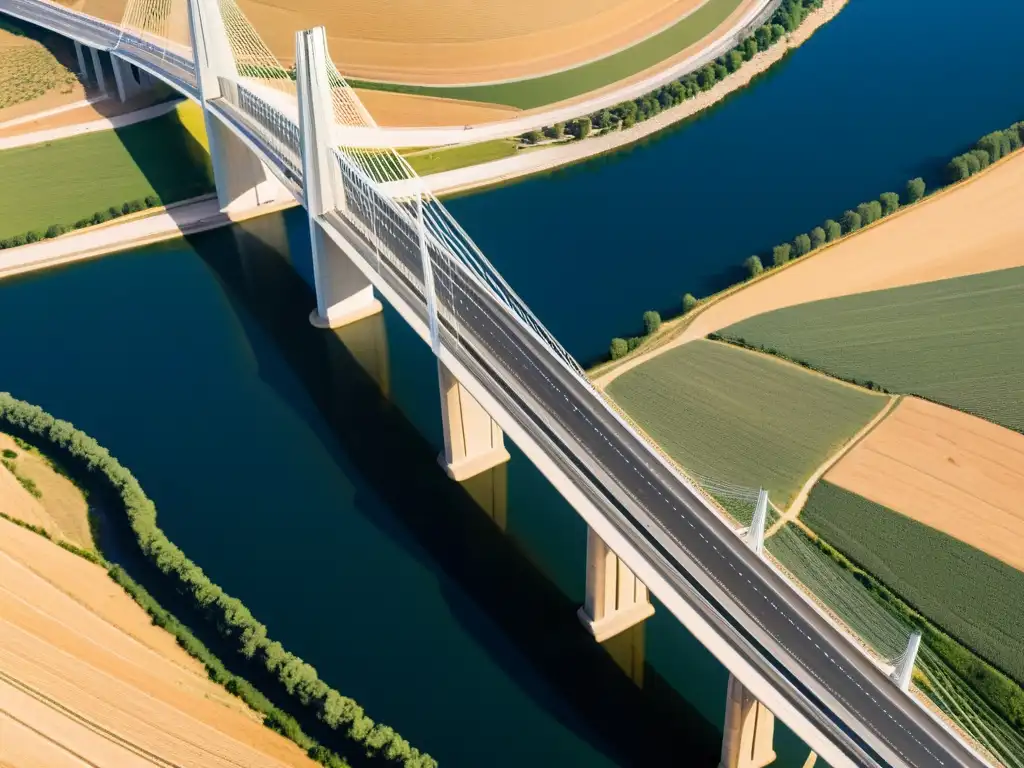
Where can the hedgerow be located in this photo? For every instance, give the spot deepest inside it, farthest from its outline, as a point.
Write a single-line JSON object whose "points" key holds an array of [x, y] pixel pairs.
{"points": [[107, 214], [229, 615]]}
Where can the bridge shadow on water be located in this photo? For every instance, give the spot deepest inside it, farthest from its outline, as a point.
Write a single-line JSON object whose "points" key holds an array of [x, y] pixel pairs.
{"points": [[491, 587]]}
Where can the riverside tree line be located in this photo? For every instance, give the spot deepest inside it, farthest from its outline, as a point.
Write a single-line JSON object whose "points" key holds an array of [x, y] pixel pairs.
{"points": [[989, 149], [229, 615], [785, 20]]}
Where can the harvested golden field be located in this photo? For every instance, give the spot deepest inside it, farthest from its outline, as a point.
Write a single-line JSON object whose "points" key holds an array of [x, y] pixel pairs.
{"points": [[953, 472], [35, 74], [973, 227], [83, 668], [451, 41], [57, 505], [404, 109]]}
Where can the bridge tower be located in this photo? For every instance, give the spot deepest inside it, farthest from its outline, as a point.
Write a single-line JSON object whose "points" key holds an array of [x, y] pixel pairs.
{"points": [[242, 180], [343, 293]]}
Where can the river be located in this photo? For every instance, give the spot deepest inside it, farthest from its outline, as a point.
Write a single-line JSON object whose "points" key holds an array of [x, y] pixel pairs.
{"points": [[298, 467]]}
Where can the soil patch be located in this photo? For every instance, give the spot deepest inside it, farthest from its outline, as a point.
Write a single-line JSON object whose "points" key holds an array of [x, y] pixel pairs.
{"points": [[957, 473]]}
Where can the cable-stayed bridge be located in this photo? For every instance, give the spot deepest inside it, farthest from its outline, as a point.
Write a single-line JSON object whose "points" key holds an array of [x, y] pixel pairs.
{"points": [[375, 229]]}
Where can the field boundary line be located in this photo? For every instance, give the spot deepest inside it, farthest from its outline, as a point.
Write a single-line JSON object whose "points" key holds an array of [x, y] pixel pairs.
{"points": [[604, 373], [794, 510]]}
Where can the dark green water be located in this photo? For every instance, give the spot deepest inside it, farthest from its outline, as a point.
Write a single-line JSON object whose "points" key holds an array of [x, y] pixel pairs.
{"points": [[280, 468]]}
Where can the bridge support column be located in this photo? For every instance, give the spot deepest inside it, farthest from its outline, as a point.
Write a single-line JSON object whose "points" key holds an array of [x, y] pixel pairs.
{"points": [[473, 441], [80, 55], [97, 66], [616, 599], [748, 740], [242, 180], [343, 293], [128, 83]]}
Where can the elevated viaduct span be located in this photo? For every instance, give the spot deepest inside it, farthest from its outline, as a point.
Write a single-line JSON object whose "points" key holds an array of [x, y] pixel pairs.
{"points": [[376, 230]]}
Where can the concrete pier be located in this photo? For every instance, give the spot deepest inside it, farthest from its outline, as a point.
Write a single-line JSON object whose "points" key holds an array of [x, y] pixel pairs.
{"points": [[473, 441], [97, 66], [749, 735], [616, 599]]}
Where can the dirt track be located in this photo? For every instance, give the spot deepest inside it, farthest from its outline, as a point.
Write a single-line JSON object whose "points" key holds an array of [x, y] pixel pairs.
{"points": [[83, 673], [956, 473]]}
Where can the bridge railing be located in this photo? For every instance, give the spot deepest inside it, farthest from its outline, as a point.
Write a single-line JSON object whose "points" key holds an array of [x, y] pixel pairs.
{"points": [[277, 130]]}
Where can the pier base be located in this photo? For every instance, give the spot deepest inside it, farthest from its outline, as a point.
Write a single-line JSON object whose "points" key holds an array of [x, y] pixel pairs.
{"points": [[343, 294], [616, 599], [243, 181], [748, 739], [473, 441]]}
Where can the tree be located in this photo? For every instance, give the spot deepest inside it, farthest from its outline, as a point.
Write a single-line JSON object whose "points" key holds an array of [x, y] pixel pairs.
{"points": [[763, 37], [973, 162], [750, 48], [851, 221], [54, 230], [818, 238], [833, 231], [32, 237], [957, 169], [618, 349], [558, 131], [152, 201], [1013, 139], [915, 190], [604, 120], [778, 32], [890, 203], [984, 158], [870, 212], [706, 77], [720, 71], [733, 60], [532, 137], [781, 253], [801, 245], [652, 322], [583, 127], [753, 266], [689, 302], [995, 144]]}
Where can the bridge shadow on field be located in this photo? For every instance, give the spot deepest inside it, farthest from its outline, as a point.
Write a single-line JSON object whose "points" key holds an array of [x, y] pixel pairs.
{"points": [[489, 584]]}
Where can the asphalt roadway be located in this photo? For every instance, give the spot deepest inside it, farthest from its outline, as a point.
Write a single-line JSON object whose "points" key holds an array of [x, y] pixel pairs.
{"points": [[734, 588]]}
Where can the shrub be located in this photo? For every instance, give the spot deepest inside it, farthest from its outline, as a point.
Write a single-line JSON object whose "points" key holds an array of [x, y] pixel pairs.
{"points": [[851, 221], [82, 223], [753, 266], [984, 158], [227, 614], [801, 245], [780, 254], [17, 240], [833, 230], [869, 212], [114, 212], [818, 237], [9, 454], [996, 145], [152, 201], [618, 348], [750, 48], [689, 302], [582, 128], [652, 322], [890, 203], [54, 230], [633, 342], [915, 190], [557, 131]]}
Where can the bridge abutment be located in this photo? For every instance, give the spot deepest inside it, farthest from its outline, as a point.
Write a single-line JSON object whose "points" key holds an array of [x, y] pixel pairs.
{"points": [[749, 734], [616, 599], [473, 441]]}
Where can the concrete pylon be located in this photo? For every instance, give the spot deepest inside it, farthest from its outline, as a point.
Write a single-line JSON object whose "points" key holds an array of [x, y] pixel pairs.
{"points": [[616, 599], [749, 733], [243, 180], [125, 79], [473, 441], [755, 533], [80, 55], [343, 293], [97, 66]]}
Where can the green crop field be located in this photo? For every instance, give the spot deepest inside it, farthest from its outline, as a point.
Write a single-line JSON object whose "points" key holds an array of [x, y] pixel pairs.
{"points": [[70, 179], [959, 342], [427, 161], [976, 598], [539, 91], [741, 417]]}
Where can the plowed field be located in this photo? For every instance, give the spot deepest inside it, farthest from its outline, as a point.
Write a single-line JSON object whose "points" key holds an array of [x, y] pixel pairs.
{"points": [[946, 469], [85, 679]]}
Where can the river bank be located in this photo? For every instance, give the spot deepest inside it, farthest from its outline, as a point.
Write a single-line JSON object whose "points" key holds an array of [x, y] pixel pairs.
{"points": [[538, 161]]}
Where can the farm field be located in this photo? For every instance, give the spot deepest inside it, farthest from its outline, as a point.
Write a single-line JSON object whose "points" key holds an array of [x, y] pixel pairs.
{"points": [[97, 170], [743, 418], [82, 665], [390, 108], [428, 161], [971, 595], [970, 229], [678, 41], [886, 632], [36, 70], [959, 342], [951, 471]]}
